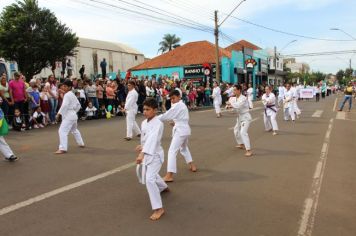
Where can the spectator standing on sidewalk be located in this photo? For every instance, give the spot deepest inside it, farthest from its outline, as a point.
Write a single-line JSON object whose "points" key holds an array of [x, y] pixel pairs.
{"points": [[6, 99], [69, 68], [51, 87], [348, 97], [90, 91], [103, 65], [82, 71], [18, 94]]}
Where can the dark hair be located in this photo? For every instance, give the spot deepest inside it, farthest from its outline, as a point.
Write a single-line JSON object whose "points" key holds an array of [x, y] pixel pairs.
{"points": [[68, 82], [174, 92], [151, 102], [238, 87], [132, 83]]}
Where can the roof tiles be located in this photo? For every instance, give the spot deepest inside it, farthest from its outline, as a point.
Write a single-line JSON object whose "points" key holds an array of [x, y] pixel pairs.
{"points": [[193, 53]]}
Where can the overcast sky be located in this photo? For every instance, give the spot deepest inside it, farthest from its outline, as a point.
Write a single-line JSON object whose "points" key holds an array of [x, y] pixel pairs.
{"points": [[304, 17]]}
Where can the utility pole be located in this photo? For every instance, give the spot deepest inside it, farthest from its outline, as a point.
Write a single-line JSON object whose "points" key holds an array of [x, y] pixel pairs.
{"points": [[350, 64], [275, 66], [216, 32]]}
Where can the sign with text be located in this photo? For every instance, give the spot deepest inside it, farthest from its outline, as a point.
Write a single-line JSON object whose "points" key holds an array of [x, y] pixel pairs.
{"points": [[198, 71], [306, 93]]}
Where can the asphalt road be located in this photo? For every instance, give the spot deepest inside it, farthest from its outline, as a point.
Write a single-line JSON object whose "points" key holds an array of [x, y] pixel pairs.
{"points": [[310, 161]]}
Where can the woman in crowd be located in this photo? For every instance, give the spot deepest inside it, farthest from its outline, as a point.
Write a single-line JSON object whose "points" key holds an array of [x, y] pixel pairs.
{"points": [[52, 97]]}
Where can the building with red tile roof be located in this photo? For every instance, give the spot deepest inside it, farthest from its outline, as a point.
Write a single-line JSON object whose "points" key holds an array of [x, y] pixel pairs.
{"points": [[194, 53], [240, 44]]}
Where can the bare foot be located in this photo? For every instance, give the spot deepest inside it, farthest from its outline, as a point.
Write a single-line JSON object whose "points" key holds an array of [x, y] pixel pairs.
{"points": [[60, 152], [166, 190], [157, 214], [193, 168], [241, 146], [248, 153], [168, 177]]}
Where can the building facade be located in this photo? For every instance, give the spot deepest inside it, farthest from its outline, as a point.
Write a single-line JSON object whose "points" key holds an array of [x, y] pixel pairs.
{"points": [[90, 53]]}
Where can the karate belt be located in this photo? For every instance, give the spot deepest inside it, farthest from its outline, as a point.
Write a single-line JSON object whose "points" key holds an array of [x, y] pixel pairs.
{"points": [[141, 173], [270, 107]]}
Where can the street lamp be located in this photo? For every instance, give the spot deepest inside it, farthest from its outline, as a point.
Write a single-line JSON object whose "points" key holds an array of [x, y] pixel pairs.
{"points": [[293, 41], [338, 29]]}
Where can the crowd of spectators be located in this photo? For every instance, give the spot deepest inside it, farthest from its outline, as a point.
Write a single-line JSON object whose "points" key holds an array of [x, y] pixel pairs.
{"points": [[34, 104]]}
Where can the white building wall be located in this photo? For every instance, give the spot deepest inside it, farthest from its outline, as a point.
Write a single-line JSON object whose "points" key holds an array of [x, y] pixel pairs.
{"points": [[84, 56]]}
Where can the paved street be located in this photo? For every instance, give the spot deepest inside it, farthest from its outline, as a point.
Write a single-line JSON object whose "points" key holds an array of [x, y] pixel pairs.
{"points": [[274, 193]]}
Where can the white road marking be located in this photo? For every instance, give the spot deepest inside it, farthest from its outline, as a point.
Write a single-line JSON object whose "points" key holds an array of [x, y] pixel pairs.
{"points": [[341, 115], [231, 128], [335, 103], [311, 202], [57, 191], [317, 113]]}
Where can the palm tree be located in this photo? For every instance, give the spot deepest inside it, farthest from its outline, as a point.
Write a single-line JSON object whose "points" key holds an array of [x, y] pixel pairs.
{"points": [[169, 42]]}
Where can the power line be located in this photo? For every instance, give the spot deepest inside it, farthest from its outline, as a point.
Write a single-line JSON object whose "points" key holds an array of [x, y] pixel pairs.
{"points": [[168, 14], [291, 34], [163, 20], [185, 6], [312, 54]]}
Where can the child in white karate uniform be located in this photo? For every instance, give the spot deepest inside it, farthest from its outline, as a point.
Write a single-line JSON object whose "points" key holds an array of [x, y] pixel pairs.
{"points": [[240, 103], [270, 113], [151, 157], [217, 99], [69, 108], [179, 114], [4, 147]]}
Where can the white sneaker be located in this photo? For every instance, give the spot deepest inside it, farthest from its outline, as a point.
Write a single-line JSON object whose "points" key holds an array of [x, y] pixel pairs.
{"points": [[35, 127]]}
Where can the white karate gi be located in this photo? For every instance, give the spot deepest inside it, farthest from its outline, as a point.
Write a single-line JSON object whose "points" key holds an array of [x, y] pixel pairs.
{"points": [[281, 91], [131, 111], [217, 99], [68, 110], [249, 93], [296, 91], [152, 132], [5, 148], [180, 134], [243, 121], [269, 116], [288, 105]]}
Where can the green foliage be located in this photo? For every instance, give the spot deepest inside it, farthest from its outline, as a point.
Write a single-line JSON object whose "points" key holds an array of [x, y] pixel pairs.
{"points": [[169, 42], [344, 76], [33, 37], [309, 78]]}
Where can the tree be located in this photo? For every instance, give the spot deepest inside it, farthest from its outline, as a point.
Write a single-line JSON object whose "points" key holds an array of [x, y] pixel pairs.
{"points": [[340, 76], [33, 37], [169, 42]]}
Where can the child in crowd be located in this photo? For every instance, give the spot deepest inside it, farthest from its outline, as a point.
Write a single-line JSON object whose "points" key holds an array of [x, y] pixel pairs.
{"points": [[38, 118], [34, 94], [102, 112], [44, 101], [90, 111], [151, 157], [192, 98], [18, 122]]}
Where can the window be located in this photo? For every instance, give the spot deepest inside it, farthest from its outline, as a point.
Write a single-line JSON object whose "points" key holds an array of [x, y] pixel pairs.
{"points": [[135, 57]]}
